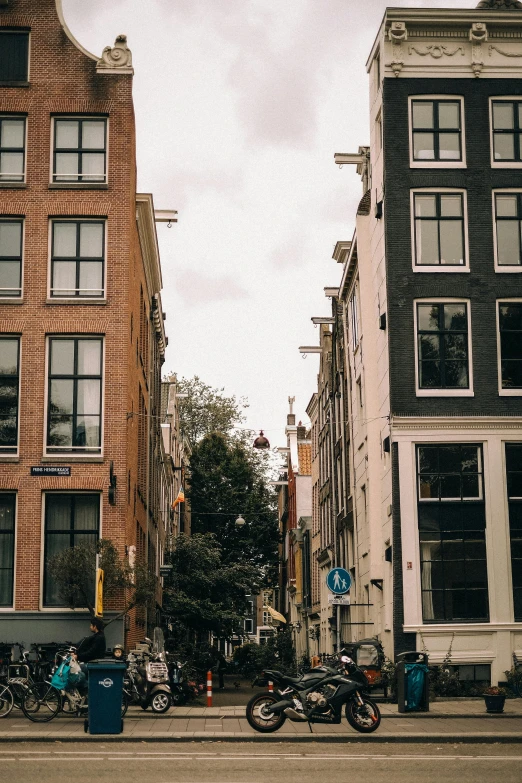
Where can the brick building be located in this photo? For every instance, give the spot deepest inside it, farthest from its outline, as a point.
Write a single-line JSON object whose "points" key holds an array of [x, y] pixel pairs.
{"points": [[82, 337]]}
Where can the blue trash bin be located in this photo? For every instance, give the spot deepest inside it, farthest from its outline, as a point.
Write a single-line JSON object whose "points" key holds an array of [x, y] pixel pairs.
{"points": [[105, 697]]}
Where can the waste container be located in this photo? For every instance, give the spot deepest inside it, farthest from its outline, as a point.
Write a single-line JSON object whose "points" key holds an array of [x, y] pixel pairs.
{"points": [[413, 687], [105, 697]]}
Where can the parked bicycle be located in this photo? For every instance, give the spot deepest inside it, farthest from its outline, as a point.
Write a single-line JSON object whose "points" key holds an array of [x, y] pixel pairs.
{"points": [[18, 677], [45, 700], [514, 676]]}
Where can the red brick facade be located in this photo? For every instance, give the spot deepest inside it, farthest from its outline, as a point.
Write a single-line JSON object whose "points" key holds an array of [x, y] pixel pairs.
{"points": [[63, 82]]}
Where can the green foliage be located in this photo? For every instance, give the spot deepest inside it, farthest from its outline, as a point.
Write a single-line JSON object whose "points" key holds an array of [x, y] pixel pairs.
{"points": [[74, 571], [278, 653], [227, 480], [444, 681], [203, 593], [206, 410]]}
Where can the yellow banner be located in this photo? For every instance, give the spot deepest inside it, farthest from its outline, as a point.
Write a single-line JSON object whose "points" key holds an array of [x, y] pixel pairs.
{"points": [[99, 592]]}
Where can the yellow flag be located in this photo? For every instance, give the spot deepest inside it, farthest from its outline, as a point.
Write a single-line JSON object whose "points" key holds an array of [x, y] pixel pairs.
{"points": [[99, 592]]}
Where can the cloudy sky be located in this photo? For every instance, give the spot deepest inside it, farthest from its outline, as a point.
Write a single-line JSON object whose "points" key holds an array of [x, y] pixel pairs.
{"points": [[240, 107]]}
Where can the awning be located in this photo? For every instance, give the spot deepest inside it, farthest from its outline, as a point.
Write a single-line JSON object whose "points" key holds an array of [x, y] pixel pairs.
{"points": [[276, 615]]}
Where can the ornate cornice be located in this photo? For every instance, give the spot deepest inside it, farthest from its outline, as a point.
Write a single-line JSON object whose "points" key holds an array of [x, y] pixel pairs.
{"points": [[116, 59], [500, 5]]}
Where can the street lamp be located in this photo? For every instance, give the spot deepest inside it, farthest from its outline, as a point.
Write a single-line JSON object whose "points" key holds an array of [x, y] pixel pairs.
{"points": [[240, 521]]}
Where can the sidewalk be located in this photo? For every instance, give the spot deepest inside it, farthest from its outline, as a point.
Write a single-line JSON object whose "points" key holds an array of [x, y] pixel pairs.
{"points": [[447, 722]]}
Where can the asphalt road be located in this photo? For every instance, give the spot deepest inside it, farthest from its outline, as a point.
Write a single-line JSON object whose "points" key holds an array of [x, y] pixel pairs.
{"points": [[216, 762]]}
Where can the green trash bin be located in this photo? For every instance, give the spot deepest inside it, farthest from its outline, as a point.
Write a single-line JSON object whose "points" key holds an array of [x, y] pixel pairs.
{"points": [[105, 697]]}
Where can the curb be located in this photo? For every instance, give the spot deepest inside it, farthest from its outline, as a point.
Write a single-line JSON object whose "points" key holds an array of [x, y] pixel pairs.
{"points": [[399, 716], [297, 738]]}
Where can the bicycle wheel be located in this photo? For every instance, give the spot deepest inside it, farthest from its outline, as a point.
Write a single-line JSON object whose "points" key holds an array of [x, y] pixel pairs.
{"points": [[42, 703], [6, 701]]}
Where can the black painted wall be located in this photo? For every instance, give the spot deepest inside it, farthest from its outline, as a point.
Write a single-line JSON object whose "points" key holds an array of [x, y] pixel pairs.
{"points": [[482, 285]]}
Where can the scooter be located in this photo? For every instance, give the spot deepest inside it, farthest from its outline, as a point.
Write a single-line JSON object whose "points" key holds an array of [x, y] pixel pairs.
{"points": [[147, 678]]}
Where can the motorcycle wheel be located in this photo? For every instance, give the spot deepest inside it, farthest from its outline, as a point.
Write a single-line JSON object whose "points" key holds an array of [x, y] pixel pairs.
{"points": [[259, 716], [160, 702], [365, 717]]}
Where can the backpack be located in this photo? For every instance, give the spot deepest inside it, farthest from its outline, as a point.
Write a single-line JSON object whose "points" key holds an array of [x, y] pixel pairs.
{"points": [[60, 679]]}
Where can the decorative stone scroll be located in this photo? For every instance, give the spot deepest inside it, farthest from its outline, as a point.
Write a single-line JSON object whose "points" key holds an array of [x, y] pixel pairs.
{"points": [[500, 5], [436, 51], [116, 59], [477, 35], [493, 48], [397, 34]]}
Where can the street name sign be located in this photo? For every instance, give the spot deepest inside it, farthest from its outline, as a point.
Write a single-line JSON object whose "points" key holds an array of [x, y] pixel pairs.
{"points": [[51, 470], [338, 580]]}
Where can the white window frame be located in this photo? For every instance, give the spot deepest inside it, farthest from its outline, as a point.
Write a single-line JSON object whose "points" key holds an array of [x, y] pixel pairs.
{"points": [[354, 317], [437, 164], [16, 299], [501, 164], [249, 621], [64, 608], [443, 392], [75, 455], [502, 268], [504, 392], [439, 268], [83, 300], [14, 116], [75, 183], [15, 493]]}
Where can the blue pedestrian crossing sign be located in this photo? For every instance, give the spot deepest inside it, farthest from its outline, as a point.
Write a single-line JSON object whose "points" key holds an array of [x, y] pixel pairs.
{"points": [[338, 581]]}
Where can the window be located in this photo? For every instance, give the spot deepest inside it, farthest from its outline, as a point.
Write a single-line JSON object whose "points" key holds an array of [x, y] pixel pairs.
{"points": [[80, 150], [439, 229], [77, 258], [452, 533], [75, 389], [506, 131], [442, 346], [14, 56], [11, 257], [514, 490], [9, 387], [7, 547], [508, 226], [510, 335], [12, 149], [436, 131], [354, 319], [249, 626], [70, 520]]}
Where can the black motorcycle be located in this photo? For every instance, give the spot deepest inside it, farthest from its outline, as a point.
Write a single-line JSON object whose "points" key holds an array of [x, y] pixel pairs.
{"points": [[316, 697], [183, 690]]}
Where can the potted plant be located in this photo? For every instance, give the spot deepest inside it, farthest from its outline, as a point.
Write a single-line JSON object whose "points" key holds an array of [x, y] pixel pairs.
{"points": [[494, 698]]}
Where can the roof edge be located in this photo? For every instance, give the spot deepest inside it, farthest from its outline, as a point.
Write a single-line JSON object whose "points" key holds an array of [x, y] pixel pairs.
{"points": [[70, 36]]}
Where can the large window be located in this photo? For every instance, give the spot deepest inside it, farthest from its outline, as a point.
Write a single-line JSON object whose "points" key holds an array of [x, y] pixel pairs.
{"points": [[442, 345], [11, 257], [75, 392], [80, 150], [508, 225], [9, 390], [70, 520], [436, 128], [439, 229], [510, 328], [514, 489], [12, 149], [507, 131], [14, 56], [77, 258], [452, 533], [7, 543]]}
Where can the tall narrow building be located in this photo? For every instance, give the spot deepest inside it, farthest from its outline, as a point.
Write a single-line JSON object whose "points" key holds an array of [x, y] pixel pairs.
{"points": [[433, 303], [82, 336]]}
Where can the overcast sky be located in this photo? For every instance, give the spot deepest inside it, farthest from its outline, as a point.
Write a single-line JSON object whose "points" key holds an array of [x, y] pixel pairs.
{"points": [[240, 106]]}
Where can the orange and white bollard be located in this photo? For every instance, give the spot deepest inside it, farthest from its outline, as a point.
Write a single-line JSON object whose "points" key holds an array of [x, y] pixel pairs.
{"points": [[209, 689], [270, 686]]}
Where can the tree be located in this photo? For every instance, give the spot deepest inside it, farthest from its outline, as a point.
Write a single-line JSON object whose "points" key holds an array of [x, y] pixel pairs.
{"points": [[207, 410], [203, 594], [228, 480], [74, 568]]}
